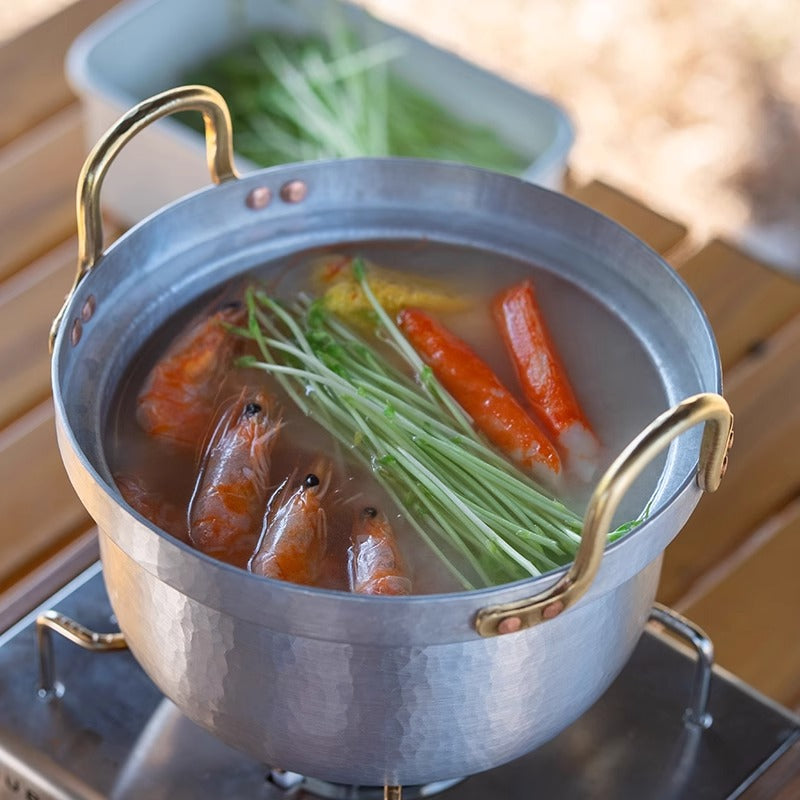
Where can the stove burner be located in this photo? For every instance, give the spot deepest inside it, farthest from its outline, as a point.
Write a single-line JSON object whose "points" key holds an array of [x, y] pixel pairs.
{"points": [[292, 782]]}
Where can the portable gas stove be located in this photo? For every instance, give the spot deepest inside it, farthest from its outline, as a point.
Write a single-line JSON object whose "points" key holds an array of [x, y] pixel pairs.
{"points": [[79, 725]]}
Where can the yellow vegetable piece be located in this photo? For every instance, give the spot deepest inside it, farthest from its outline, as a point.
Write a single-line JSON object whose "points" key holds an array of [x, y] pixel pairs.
{"points": [[393, 289]]}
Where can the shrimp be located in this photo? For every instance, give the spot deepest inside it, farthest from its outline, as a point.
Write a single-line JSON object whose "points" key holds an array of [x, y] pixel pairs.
{"points": [[293, 544], [232, 488], [543, 378], [177, 399], [470, 380], [151, 505], [374, 562]]}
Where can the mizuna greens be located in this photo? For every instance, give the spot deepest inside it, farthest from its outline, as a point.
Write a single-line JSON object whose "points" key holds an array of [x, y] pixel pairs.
{"points": [[487, 520], [302, 98]]}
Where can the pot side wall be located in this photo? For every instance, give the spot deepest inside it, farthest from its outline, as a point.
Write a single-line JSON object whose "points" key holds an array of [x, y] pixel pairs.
{"points": [[370, 714]]}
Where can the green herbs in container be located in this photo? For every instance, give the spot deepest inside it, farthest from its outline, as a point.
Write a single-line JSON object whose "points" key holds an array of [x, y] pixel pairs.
{"points": [[305, 98]]}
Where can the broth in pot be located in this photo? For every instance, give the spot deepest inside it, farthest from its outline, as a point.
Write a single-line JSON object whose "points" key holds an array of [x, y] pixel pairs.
{"points": [[267, 425]]}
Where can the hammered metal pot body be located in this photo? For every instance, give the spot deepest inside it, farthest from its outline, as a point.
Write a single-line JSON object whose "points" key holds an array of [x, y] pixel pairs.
{"points": [[347, 688], [359, 713]]}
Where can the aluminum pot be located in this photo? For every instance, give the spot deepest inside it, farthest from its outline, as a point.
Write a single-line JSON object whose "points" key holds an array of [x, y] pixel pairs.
{"points": [[370, 690]]}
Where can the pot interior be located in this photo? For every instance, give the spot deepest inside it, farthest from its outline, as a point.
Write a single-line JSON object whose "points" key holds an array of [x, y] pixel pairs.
{"points": [[631, 336]]}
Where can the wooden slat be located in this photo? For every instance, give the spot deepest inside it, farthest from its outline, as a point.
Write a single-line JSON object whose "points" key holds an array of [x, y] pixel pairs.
{"points": [[37, 505], [745, 301], [46, 558], [661, 233], [753, 613], [28, 302], [780, 782], [40, 172], [764, 472], [32, 65], [22, 593]]}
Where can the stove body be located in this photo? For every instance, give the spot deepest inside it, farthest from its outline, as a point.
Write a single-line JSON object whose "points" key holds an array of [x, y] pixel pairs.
{"points": [[106, 731]]}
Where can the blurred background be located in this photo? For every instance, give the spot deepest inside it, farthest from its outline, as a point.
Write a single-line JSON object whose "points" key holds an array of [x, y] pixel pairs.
{"points": [[693, 108]]}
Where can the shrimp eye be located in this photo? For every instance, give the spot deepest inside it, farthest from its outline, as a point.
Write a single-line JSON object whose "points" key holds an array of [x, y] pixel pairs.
{"points": [[310, 480], [233, 305], [251, 409], [369, 512]]}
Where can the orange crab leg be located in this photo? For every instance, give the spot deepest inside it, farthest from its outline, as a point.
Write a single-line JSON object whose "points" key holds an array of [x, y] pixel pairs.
{"points": [[473, 384], [542, 376]]}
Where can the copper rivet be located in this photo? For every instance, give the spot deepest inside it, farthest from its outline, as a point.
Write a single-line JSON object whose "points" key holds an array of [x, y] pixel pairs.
{"points": [[553, 610], [293, 191], [259, 197], [75, 333], [509, 625], [88, 308]]}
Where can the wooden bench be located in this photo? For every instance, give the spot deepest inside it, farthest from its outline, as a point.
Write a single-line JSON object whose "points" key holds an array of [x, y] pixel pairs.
{"points": [[731, 569]]}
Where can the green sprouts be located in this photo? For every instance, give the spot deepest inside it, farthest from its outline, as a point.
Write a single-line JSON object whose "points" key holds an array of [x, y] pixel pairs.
{"points": [[488, 521], [302, 98]]}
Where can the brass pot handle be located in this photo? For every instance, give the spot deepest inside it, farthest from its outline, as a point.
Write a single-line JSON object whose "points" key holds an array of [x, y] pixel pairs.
{"points": [[717, 439], [219, 155]]}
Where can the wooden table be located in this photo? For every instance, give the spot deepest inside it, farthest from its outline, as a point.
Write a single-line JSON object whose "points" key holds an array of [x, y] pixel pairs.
{"points": [[734, 569]]}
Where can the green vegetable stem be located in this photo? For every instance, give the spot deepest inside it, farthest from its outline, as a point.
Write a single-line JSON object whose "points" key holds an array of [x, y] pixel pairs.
{"points": [[302, 98], [488, 521]]}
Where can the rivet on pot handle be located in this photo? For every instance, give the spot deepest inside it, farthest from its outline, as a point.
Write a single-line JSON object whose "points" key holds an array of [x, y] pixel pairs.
{"points": [[713, 410], [219, 155]]}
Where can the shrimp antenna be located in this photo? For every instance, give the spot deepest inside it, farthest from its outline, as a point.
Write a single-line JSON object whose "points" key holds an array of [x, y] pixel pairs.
{"points": [[221, 424], [276, 498]]}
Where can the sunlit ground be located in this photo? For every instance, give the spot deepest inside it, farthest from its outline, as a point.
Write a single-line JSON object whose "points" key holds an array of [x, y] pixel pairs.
{"points": [[692, 107], [16, 15]]}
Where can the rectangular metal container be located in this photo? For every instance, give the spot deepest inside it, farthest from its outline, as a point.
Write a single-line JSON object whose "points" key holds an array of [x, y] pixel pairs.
{"points": [[145, 46]]}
